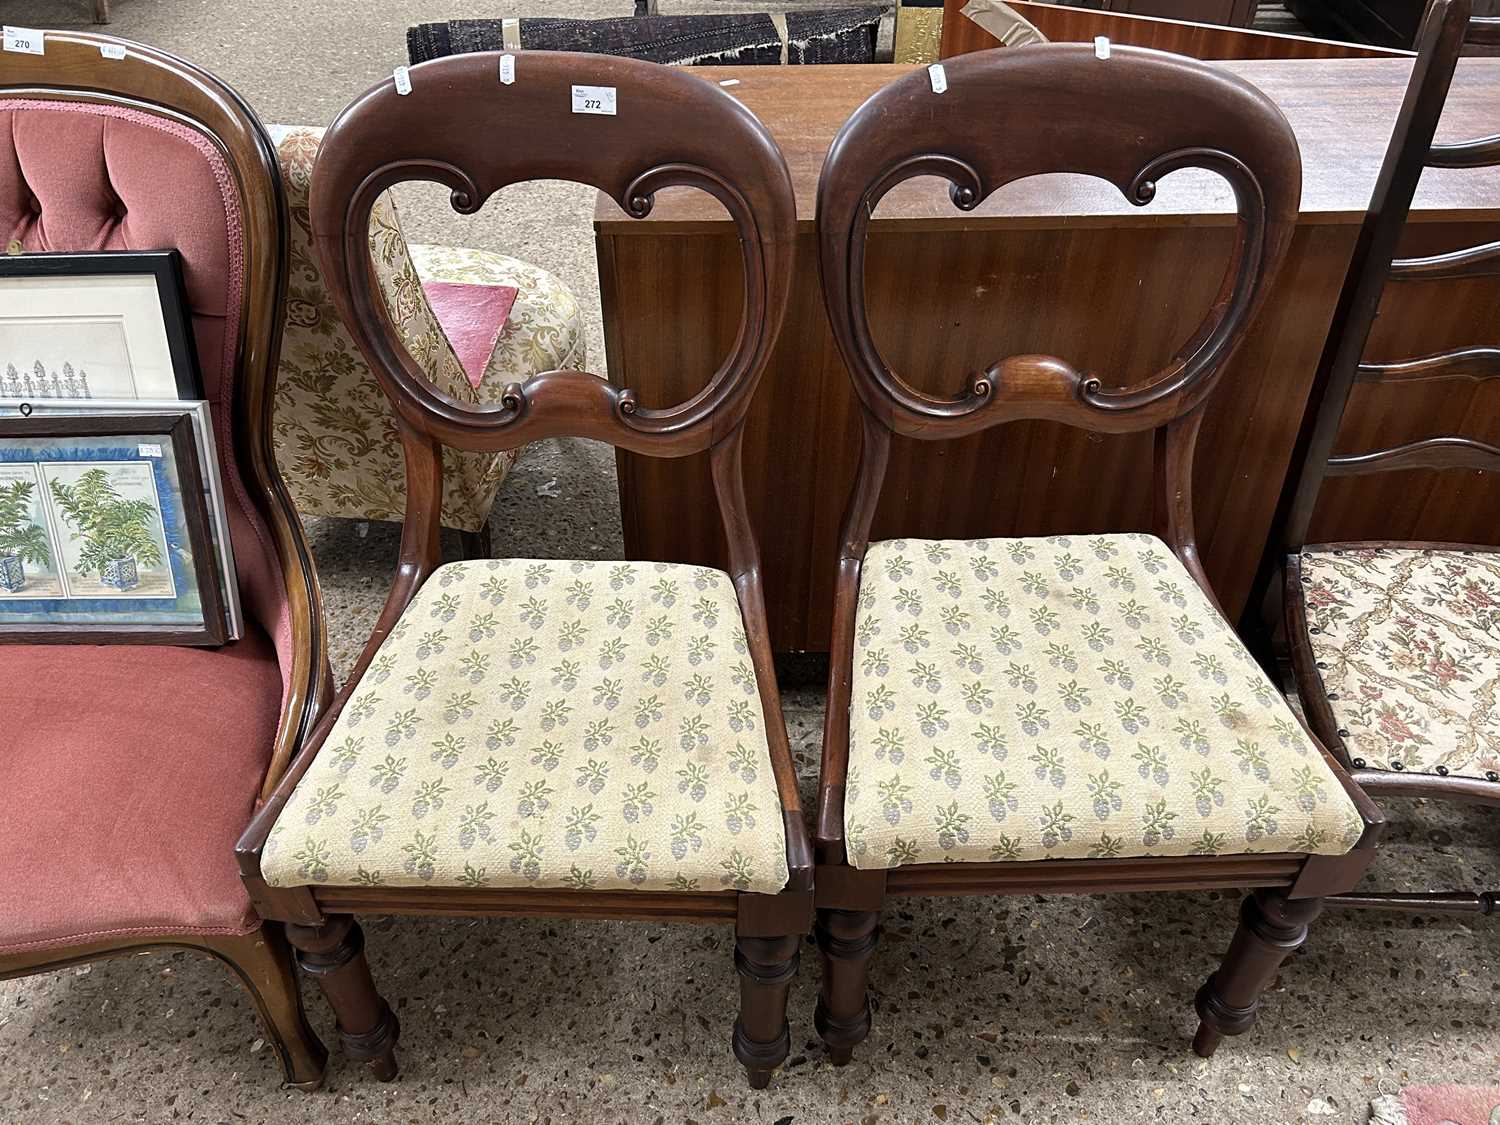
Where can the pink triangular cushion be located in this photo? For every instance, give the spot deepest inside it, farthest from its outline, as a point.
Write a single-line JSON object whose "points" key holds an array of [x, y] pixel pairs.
{"points": [[472, 317]]}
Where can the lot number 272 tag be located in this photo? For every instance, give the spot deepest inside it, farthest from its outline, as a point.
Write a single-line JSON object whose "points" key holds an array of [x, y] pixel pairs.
{"points": [[594, 99]]}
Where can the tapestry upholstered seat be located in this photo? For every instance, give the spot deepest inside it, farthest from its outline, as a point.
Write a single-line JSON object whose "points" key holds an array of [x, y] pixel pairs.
{"points": [[1407, 643], [588, 725], [1064, 698], [336, 443]]}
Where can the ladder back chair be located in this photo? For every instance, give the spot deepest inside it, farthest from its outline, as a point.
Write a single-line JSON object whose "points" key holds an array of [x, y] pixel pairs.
{"points": [[1069, 714], [1395, 646], [555, 738], [118, 818]]}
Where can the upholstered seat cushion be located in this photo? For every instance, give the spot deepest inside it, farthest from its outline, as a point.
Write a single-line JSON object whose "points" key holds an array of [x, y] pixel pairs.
{"points": [[1407, 642], [126, 775], [557, 724], [1066, 698]]}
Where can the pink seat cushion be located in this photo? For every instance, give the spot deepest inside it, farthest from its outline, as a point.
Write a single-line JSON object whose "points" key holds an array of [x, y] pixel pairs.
{"points": [[127, 773], [472, 316]]}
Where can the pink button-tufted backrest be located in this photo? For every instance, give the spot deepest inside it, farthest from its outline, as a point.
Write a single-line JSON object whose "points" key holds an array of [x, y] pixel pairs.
{"points": [[78, 176]]}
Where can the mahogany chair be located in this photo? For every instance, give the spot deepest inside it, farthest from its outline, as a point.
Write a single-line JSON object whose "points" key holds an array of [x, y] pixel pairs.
{"points": [[1394, 645], [1070, 714], [118, 819], [522, 737]]}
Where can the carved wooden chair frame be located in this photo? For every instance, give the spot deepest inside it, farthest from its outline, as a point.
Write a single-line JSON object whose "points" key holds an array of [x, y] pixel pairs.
{"points": [[673, 130], [1177, 113], [153, 81], [1278, 597]]}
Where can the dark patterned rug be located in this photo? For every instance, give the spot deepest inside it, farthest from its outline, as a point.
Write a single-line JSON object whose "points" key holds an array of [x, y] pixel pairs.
{"points": [[840, 35]]}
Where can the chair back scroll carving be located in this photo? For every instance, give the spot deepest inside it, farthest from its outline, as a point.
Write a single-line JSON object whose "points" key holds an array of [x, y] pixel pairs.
{"points": [[1008, 115], [459, 126]]}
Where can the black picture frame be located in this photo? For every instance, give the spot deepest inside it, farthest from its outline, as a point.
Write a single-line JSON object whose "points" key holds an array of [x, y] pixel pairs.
{"points": [[193, 519], [164, 266]]}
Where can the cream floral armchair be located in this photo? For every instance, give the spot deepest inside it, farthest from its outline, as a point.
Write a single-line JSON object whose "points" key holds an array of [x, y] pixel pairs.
{"points": [[336, 443]]}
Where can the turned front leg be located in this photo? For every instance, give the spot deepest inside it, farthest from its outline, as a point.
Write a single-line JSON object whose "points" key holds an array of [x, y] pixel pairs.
{"points": [[333, 954], [847, 940], [766, 966], [1271, 929]]}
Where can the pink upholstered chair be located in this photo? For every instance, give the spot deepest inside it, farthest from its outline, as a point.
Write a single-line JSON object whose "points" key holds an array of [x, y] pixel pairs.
{"points": [[119, 810]]}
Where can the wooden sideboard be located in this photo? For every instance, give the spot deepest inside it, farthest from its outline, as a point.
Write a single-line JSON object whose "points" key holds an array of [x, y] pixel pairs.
{"points": [[1197, 36], [1392, 23], [1062, 265]]}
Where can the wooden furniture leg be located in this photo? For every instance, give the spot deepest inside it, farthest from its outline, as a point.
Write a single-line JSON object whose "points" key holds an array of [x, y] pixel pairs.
{"points": [[477, 544], [1271, 928], [263, 964], [333, 954], [847, 939], [767, 966]]}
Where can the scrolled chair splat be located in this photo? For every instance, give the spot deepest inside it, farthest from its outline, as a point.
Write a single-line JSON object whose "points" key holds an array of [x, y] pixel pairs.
{"points": [[1138, 745], [976, 162], [509, 754], [668, 153]]}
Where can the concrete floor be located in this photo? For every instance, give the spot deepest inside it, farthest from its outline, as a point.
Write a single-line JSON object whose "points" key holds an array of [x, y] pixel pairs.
{"points": [[1022, 1009]]}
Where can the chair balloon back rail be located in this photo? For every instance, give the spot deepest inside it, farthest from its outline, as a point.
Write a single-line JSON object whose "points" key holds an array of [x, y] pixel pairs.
{"points": [[1129, 119], [461, 127]]}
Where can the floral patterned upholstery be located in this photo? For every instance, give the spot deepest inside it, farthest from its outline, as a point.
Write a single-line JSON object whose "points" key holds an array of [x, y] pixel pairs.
{"points": [[336, 443], [555, 724], [1067, 698], [1407, 642]]}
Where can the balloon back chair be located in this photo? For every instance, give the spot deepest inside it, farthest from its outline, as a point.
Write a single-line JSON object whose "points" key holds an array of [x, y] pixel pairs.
{"points": [[1069, 714], [128, 771], [523, 737], [1394, 644]]}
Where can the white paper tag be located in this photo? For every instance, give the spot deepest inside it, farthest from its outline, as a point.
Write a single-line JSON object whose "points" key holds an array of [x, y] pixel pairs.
{"points": [[594, 99], [1101, 46], [507, 69], [148, 449], [938, 76], [112, 50], [26, 40], [403, 80], [730, 82]]}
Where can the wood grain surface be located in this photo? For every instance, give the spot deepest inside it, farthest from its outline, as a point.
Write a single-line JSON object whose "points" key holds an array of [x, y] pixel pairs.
{"points": [[1067, 269], [1180, 28]]}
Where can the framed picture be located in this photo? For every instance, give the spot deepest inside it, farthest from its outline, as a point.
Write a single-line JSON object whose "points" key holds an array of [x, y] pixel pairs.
{"points": [[105, 533], [110, 325], [208, 461]]}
